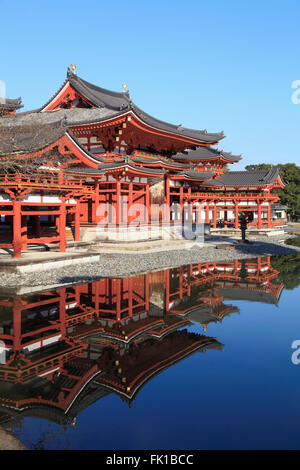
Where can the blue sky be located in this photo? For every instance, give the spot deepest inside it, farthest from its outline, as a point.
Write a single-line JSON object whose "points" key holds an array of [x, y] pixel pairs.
{"points": [[220, 65]]}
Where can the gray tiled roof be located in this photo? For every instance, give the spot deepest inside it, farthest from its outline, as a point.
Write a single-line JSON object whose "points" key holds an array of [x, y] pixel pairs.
{"points": [[166, 162], [115, 102], [10, 105], [115, 165], [26, 139], [196, 175], [74, 116], [204, 153], [33, 137], [245, 178]]}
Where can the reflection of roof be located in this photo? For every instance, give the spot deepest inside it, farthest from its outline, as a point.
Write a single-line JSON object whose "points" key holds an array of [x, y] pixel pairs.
{"points": [[208, 315], [245, 178], [254, 295], [149, 359]]}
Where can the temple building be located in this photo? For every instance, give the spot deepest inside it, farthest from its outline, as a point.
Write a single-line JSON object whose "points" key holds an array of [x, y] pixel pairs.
{"points": [[91, 165]]}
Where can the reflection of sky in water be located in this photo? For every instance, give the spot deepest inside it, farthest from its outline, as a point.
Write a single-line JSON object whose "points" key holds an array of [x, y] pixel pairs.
{"points": [[246, 396]]}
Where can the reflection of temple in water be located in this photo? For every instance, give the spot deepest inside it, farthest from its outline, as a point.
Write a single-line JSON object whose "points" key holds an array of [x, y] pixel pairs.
{"points": [[68, 348]]}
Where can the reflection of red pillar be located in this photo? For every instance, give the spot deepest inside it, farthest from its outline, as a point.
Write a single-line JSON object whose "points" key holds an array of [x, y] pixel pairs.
{"points": [[130, 303], [62, 311], [167, 290], [118, 294], [258, 265], [17, 226], [96, 287], [17, 324], [146, 291]]}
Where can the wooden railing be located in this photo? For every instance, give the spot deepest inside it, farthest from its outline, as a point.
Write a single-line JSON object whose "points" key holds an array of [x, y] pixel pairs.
{"points": [[235, 195], [42, 181]]}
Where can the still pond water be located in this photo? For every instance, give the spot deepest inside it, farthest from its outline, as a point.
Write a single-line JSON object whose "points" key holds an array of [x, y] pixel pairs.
{"points": [[197, 357]]}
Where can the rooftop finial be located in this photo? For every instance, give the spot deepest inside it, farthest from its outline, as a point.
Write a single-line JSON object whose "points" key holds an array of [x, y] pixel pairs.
{"points": [[124, 85], [73, 67]]}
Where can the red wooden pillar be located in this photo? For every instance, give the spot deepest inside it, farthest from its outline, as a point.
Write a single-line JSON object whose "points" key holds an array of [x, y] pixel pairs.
{"points": [[167, 212], [269, 215], [181, 201], [62, 225], [207, 213], [258, 215], [215, 215], [17, 227], [77, 222], [190, 205], [147, 197], [225, 217], [118, 201], [130, 200], [95, 202], [236, 215]]}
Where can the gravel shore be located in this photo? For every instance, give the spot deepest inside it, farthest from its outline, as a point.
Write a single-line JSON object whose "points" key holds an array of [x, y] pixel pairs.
{"points": [[129, 264]]}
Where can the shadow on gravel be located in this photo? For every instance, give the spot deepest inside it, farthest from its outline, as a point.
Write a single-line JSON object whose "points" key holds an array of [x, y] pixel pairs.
{"points": [[262, 248], [75, 279]]}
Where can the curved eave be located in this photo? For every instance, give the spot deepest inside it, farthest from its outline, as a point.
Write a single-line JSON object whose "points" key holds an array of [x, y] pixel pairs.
{"points": [[139, 123], [116, 101], [145, 376], [188, 177], [65, 139], [127, 168], [160, 163]]}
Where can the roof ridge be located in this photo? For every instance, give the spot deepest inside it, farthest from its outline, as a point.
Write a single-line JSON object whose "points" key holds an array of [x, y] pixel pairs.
{"points": [[53, 96]]}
